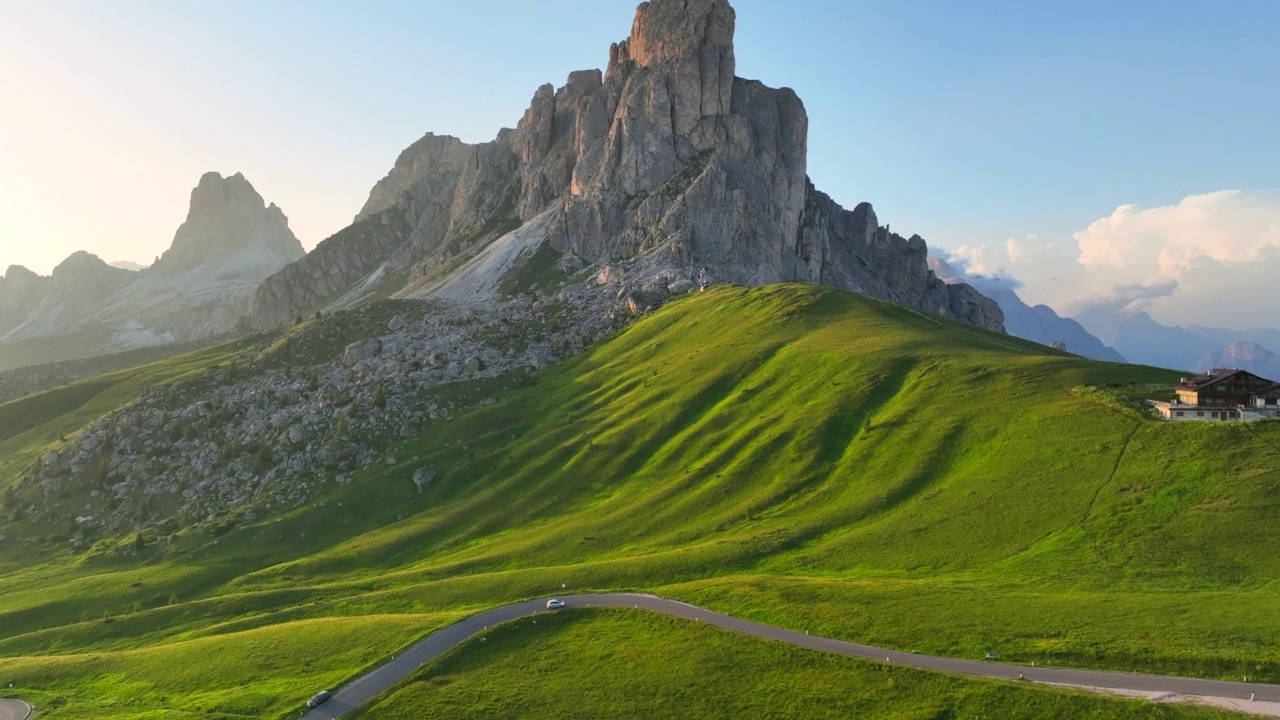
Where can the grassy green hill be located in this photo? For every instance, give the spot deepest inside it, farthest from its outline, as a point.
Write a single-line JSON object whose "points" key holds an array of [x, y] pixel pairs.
{"points": [[791, 454]]}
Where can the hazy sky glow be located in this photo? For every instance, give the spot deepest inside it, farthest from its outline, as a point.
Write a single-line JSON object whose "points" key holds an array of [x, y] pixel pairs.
{"points": [[967, 123]]}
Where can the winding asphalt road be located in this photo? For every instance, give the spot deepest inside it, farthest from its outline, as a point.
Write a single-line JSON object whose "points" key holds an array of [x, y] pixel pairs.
{"points": [[14, 710], [365, 688]]}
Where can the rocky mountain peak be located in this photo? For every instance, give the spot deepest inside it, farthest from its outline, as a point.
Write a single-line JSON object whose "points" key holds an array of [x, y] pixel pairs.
{"points": [[226, 217], [213, 190], [79, 262], [19, 273], [666, 160], [85, 274], [230, 242], [20, 290], [694, 34]]}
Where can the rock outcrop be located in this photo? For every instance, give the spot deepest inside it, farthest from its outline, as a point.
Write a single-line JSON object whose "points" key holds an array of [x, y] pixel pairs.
{"points": [[333, 266], [666, 155]]}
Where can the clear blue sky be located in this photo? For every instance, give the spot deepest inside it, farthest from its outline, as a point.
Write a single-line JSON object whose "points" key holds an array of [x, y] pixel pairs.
{"points": [[964, 122]]}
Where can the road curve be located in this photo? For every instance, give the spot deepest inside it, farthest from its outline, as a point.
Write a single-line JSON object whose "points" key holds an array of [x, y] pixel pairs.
{"points": [[14, 710], [366, 687]]}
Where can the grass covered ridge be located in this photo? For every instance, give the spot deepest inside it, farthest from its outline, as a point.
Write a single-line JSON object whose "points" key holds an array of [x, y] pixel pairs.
{"points": [[794, 454]]}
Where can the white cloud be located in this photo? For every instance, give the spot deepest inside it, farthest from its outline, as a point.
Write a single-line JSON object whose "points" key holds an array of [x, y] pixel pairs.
{"points": [[1230, 226], [1211, 259]]}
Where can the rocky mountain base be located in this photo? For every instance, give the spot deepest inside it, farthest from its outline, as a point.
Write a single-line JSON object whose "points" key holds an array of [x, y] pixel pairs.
{"points": [[270, 432]]}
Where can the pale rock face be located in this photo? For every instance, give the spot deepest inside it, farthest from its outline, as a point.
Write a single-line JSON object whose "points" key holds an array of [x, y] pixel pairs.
{"points": [[227, 216], [668, 156], [362, 350]]}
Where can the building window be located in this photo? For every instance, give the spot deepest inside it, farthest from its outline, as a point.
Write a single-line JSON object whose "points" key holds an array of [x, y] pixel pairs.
{"points": [[1179, 413], [1200, 414]]}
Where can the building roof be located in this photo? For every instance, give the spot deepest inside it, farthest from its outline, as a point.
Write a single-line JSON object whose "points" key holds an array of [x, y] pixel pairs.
{"points": [[1217, 375]]}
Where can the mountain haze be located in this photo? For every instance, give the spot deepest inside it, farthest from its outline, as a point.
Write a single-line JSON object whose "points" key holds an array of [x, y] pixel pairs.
{"points": [[230, 241]]}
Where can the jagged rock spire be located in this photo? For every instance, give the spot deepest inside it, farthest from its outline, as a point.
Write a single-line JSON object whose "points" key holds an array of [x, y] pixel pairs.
{"points": [[226, 216]]}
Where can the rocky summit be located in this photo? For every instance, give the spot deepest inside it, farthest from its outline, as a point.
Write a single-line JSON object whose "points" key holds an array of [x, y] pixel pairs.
{"points": [[663, 165], [226, 220], [201, 287]]}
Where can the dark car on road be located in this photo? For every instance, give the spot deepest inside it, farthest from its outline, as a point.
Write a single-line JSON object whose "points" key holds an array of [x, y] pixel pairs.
{"points": [[319, 699]]}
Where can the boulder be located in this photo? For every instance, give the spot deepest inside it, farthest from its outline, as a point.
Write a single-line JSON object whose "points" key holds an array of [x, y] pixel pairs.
{"points": [[362, 350], [681, 287], [422, 477]]}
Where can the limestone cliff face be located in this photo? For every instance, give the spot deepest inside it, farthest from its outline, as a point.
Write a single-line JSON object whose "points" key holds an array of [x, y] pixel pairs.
{"points": [[708, 167], [666, 154], [335, 264], [448, 191], [849, 249]]}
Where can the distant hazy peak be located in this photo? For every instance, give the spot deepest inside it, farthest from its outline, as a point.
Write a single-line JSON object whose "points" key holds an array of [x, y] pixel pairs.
{"points": [[78, 261], [226, 216], [17, 273], [1244, 355], [1242, 351]]}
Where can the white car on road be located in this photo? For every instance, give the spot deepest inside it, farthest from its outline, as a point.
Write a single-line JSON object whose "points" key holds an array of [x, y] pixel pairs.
{"points": [[555, 604]]}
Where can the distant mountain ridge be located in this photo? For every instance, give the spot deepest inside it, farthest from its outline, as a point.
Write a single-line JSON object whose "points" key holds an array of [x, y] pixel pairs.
{"points": [[1243, 355], [1144, 340], [1039, 324], [231, 241], [29, 303]]}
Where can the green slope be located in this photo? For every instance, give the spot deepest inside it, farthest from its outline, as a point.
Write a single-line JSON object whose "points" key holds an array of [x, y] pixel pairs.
{"points": [[793, 454]]}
